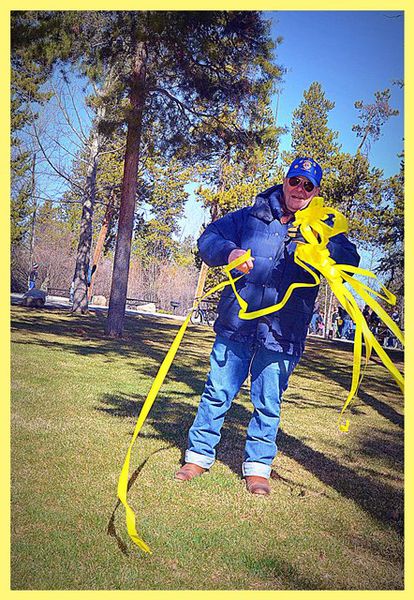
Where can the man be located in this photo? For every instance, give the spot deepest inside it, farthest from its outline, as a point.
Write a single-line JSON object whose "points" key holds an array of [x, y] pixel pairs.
{"points": [[334, 323], [270, 347], [341, 321]]}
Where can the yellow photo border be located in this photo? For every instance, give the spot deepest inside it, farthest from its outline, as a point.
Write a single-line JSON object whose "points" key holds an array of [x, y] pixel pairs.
{"points": [[6, 7]]}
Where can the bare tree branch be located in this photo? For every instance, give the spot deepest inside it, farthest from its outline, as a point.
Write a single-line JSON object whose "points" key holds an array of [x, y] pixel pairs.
{"points": [[64, 201], [82, 138], [67, 151], [59, 172], [85, 137]]}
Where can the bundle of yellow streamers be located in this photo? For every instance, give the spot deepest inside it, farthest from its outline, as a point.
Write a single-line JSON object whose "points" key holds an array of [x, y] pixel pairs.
{"points": [[312, 255]]}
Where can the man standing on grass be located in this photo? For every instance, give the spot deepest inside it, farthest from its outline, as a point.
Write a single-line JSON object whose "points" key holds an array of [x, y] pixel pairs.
{"points": [[268, 347]]}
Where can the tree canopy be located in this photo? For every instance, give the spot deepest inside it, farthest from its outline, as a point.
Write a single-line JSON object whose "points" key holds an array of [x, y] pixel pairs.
{"points": [[178, 97]]}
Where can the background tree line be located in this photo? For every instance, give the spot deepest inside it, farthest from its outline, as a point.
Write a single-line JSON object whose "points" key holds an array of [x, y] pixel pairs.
{"points": [[116, 115]]}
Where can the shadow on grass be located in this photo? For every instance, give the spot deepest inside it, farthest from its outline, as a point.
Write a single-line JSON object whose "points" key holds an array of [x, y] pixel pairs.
{"points": [[285, 576], [84, 336], [313, 368], [380, 500], [151, 338], [111, 529], [172, 419]]}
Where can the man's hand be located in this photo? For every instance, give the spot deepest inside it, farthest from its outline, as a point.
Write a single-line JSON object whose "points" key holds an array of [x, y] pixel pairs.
{"points": [[295, 235], [244, 267]]}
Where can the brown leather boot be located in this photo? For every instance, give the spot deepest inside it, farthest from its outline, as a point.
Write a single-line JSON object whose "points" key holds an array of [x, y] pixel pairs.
{"points": [[188, 471], [257, 485]]}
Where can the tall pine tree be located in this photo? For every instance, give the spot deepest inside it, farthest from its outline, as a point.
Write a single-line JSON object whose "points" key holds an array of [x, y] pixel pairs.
{"points": [[311, 135], [180, 69]]}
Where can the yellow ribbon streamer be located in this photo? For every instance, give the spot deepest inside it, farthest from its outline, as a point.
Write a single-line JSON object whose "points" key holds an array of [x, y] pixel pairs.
{"points": [[146, 407], [316, 254], [313, 255]]}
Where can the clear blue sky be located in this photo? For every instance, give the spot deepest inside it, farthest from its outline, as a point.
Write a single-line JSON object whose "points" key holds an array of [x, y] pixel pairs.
{"points": [[352, 54]]}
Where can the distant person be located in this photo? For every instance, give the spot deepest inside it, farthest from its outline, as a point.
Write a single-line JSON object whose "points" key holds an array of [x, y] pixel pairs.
{"points": [[366, 313], [346, 326], [351, 330], [373, 323], [320, 326], [396, 317], [71, 292], [33, 275], [341, 320], [391, 340], [334, 323], [315, 320]]}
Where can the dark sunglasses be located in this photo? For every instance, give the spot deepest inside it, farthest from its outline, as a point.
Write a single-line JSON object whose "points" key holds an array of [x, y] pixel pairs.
{"points": [[307, 185]]}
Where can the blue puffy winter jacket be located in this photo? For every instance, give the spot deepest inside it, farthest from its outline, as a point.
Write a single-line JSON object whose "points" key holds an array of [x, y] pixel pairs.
{"points": [[258, 227]]}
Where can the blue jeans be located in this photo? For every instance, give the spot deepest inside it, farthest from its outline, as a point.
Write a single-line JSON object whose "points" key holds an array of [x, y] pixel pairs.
{"points": [[345, 329], [230, 363]]}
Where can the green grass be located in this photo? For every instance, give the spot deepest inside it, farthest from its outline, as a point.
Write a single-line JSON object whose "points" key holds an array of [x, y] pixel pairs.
{"points": [[334, 519]]}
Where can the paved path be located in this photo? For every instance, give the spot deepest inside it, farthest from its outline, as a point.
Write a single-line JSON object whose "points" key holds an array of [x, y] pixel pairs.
{"points": [[61, 302]]}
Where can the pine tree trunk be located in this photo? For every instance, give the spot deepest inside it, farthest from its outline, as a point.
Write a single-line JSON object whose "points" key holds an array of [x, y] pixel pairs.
{"points": [[117, 302], [80, 295]]}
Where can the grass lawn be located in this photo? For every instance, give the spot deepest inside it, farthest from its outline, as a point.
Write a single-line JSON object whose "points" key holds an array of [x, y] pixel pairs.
{"points": [[334, 519]]}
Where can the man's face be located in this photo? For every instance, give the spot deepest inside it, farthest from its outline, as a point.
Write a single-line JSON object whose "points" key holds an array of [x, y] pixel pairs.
{"points": [[295, 193]]}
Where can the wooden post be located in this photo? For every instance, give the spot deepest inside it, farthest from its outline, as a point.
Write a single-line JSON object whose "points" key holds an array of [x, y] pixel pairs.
{"points": [[204, 268]]}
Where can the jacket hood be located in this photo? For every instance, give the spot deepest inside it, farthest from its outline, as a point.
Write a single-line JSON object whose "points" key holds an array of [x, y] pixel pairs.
{"points": [[268, 204]]}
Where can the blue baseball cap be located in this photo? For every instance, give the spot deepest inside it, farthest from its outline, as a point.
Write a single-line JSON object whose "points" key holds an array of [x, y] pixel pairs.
{"points": [[306, 167]]}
